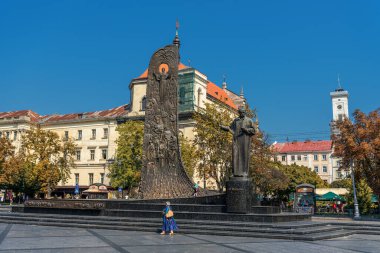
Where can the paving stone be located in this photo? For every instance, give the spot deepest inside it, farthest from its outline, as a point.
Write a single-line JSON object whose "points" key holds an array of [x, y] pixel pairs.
{"points": [[41, 239], [152, 239], [289, 247], [51, 242], [209, 248]]}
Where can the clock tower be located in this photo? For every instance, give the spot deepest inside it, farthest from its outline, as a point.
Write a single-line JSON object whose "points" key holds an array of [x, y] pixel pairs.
{"points": [[339, 100]]}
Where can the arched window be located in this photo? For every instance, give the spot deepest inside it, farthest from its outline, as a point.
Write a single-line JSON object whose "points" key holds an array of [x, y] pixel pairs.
{"points": [[143, 103]]}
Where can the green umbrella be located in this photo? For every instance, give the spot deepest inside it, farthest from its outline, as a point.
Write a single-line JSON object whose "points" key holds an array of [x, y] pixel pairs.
{"points": [[330, 196]]}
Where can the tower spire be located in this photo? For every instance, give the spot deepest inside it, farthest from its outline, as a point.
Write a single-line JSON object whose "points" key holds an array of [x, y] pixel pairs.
{"points": [[176, 40], [339, 87], [224, 84], [242, 92]]}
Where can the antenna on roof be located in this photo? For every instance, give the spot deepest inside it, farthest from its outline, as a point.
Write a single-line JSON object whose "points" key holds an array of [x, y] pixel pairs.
{"points": [[189, 61]]}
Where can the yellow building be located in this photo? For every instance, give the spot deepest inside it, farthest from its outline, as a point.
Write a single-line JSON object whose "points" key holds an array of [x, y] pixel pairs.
{"points": [[95, 133]]}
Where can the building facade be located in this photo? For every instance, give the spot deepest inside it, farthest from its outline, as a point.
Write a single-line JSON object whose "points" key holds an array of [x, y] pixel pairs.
{"points": [[94, 133], [318, 155]]}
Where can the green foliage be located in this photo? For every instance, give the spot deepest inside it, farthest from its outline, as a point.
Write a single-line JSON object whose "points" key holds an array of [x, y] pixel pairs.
{"points": [[7, 151], [214, 144], [358, 144], [44, 159], [188, 155], [299, 175], [266, 176], [343, 183], [125, 172], [363, 195]]}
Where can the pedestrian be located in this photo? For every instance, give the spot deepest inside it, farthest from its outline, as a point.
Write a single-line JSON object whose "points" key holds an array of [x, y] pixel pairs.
{"points": [[168, 222], [196, 189], [10, 198]]}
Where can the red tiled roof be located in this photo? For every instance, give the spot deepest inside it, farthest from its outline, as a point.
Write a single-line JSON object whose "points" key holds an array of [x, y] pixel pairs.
{"points": [[34, 117], [114, 112], [180, 67], [307, 146], [216, 92]]}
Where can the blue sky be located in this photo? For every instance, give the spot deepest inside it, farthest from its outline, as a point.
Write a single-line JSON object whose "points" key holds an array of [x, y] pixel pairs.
{"points": [[77, 56]]}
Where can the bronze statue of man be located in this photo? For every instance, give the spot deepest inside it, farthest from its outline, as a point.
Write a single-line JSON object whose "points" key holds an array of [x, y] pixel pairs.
{"points": [[242, 129]]}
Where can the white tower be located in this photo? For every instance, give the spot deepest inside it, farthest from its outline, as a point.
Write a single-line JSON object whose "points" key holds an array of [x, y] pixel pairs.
{"points": [[339, 100]]}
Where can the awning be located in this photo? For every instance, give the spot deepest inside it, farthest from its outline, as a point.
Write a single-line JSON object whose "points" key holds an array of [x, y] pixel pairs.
{"points": [[330, 196]]}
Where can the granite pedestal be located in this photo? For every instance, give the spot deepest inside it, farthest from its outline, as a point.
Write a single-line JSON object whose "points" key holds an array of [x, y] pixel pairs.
{"points": [[238, 199]]}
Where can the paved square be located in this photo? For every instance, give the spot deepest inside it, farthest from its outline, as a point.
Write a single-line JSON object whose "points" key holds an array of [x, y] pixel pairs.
{"points": [[29, 238]]}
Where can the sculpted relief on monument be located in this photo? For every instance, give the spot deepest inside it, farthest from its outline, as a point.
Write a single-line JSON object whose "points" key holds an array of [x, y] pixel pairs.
{"points": [[163, 175]]}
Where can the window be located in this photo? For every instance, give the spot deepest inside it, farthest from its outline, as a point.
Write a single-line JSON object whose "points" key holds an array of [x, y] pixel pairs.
{"points": [[340, 117], [315, 157], [324, 169], [305, 157], [316, 169], [293, 158], [1, 134], [90, 178], [15, 135], [299, 157], [105, 133], [79, 134], [324, 157], [104, 154], [8, 134], [102, 178], [283, 158], [92, 154], [77, 178], [93, 136], [338, 163], [66, 135], [78, 155], [182, 92], [143, 103]]}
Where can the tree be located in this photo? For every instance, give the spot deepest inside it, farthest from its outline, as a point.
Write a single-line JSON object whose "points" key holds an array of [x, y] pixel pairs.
{"points": [[363, 195], [299, 175], [266, 176], [188, 155], [44, 160], [214, 152], [343, 183], [7, 151], [358, 144], [125, 172]]}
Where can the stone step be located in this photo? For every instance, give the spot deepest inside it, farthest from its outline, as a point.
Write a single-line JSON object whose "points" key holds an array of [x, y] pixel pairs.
{"points": [[157, 224], [283, 217], [314, 236], [160, 207]]}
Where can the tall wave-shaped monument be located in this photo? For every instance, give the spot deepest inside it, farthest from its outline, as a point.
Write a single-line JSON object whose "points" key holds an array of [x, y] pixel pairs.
{"points": [[163, 174]]}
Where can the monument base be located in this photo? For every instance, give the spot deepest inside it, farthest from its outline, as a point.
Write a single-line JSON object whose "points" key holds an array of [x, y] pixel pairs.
{"points": [[238, 199]]}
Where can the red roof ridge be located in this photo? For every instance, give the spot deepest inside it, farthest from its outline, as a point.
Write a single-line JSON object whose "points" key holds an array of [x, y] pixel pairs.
{"points": [[218, 93], [303, 146]]}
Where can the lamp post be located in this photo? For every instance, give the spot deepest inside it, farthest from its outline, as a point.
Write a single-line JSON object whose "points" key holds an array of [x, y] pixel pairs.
{"points": [[356, 205]]}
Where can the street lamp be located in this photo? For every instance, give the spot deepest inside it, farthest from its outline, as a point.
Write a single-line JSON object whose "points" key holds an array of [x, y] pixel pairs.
{"points": [[356, 205]]}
